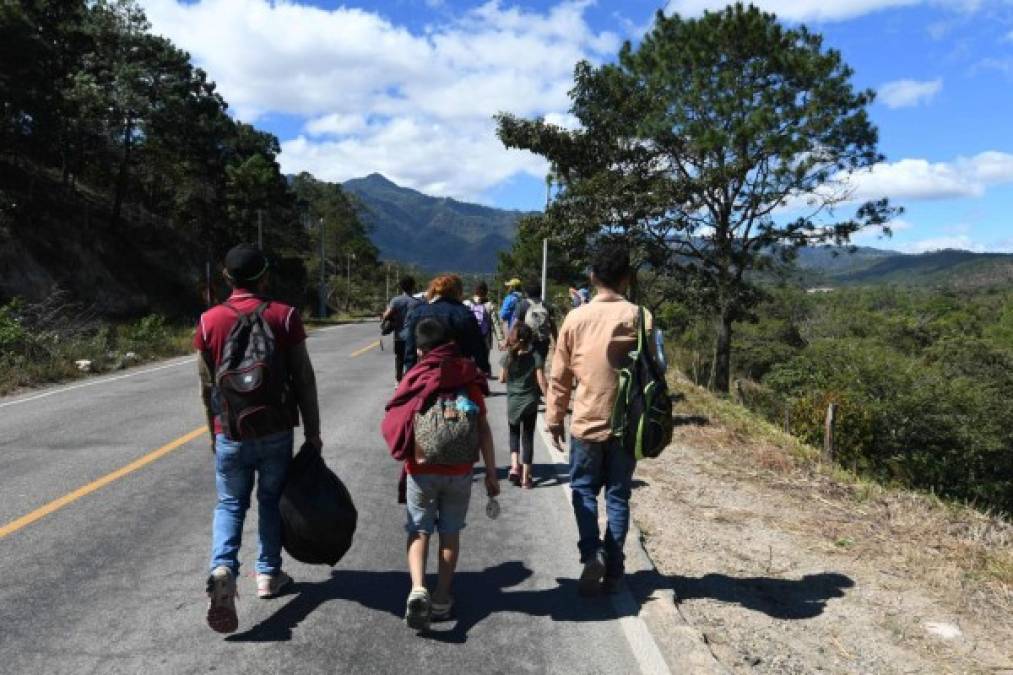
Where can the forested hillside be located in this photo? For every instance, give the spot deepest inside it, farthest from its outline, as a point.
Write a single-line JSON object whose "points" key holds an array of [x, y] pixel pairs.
{"points": [[123, 179], [863, 265], [432, 232]]}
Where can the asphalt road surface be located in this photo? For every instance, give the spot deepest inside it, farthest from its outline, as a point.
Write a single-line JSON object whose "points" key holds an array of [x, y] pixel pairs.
{"points": [[111, 579]]}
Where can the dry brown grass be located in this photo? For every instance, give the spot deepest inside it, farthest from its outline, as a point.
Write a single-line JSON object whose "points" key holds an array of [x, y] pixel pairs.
{"points": [[964, 556]]}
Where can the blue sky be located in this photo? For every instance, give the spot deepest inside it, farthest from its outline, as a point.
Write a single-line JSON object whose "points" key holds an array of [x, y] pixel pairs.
{"points": [[407, 88]]}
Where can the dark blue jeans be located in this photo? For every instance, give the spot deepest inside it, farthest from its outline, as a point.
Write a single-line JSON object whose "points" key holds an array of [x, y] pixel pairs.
{"points": [[594, 466]]}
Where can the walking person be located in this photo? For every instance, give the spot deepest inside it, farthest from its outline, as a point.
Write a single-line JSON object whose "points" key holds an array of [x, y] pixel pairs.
{"points": [[595, 340], [513, 296], [445, 294], [523, 374], [397, 314], [437, 424], [534, 313], [486, 315], [250, 336]]}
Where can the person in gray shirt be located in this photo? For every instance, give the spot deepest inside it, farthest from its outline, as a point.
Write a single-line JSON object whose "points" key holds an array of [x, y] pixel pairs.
{"points": [[397, 311]]}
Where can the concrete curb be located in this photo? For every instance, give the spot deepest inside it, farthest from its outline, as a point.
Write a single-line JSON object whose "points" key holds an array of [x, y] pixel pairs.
{"points": [[659, 635]]}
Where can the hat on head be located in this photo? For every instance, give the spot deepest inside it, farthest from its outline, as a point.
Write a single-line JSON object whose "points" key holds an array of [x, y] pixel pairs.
{"points": [[513, 283], [245, 262]]}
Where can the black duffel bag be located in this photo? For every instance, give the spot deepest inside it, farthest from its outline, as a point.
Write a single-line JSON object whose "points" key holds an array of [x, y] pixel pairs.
{"points": [[318, 517]]}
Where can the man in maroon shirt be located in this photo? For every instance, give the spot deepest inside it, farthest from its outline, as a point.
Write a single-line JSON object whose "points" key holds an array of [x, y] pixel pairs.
{"points": [[238, 462]]}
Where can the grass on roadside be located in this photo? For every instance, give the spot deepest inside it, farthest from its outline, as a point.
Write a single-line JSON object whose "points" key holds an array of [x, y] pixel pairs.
{"points": [[962, 553], [47, 342]]}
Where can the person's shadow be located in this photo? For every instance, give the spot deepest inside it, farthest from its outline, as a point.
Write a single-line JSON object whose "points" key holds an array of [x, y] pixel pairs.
{"points": [[790, 599], [486, 592]]}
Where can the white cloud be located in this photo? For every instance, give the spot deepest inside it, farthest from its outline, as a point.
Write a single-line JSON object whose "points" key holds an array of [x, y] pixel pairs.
{"points": [[818, 10], [909, 93], [376, 96], [962, 242], [919, 179]]}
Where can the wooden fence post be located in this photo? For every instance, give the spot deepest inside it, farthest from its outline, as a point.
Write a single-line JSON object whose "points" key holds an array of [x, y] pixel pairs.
{"points": [[828, 433]]}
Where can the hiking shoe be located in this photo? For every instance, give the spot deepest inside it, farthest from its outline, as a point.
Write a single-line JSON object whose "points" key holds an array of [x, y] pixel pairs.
{"points": [[590, 579], [418, 614], [442, 611], [221, 588], [271, 585]]}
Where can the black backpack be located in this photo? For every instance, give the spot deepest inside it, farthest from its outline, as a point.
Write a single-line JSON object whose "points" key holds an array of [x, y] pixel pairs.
{"points": [[251, 382], [642, 414]]}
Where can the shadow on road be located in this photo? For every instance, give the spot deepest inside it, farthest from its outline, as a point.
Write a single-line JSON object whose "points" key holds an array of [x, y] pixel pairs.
{"points": [[790, 599], [480, 595], [543, 475]]}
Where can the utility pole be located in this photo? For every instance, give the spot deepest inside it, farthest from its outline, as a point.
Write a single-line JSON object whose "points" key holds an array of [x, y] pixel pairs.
{"points": [[260, 229], [348, 279], [322, 291], [545, 269], [386, 288]]}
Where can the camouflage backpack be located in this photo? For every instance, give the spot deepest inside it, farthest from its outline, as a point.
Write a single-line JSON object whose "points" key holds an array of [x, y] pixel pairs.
{"points": [[446, 432]]}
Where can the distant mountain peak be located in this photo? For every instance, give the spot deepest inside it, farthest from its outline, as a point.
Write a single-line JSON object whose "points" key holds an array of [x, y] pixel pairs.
{"points": [[433, 232]]}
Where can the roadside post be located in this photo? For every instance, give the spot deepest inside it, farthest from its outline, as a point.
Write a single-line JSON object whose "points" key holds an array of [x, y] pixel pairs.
{"points": [[322, 290]]}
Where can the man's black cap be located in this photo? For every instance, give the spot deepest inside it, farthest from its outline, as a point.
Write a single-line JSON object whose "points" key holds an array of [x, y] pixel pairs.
{"points": [[245, 262]]}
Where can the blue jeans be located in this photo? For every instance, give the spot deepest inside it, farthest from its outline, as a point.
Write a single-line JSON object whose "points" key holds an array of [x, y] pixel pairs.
{"points": [[236, 462], [594, 466]]}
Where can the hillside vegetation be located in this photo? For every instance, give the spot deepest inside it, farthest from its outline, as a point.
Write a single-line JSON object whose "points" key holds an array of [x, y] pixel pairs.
{"points": [[123, 179], [432, 232], [952, 268], [921, 379]]}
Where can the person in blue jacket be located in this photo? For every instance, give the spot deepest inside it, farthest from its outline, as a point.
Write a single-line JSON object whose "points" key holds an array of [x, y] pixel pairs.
{"points": [[506, 312], [445, 294]]}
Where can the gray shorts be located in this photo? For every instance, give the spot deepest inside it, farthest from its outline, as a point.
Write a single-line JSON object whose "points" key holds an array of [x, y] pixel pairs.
{"points": [[437, 503]]}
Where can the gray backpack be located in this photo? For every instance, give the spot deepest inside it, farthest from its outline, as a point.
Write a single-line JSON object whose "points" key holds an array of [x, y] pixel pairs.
{"points": [[537, 319]]}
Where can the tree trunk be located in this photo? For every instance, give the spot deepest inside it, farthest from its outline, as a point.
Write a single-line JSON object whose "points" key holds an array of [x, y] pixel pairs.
{"points": [[121, 179], [720, 378]]}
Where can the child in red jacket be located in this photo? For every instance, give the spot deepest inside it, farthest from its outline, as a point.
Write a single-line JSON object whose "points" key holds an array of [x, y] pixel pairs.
{"points": [[437, 494]]}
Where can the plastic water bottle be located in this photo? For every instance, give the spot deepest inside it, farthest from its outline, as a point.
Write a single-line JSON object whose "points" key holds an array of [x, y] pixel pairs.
{"points": [[659, 349], [492, 508]]}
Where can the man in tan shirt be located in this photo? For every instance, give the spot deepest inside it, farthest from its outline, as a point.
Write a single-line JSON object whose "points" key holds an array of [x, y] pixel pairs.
{"points": [[594, 341]]}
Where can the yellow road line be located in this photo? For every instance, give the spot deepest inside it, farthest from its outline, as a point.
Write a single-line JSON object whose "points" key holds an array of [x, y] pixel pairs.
{"points": [[372, 345], [84, 490]]}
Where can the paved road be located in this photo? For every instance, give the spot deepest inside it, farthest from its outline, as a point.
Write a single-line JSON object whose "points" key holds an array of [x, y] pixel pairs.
{"points": [[113, 581]]}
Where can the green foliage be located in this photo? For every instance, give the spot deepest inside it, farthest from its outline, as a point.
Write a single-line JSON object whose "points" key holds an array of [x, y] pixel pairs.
{"points": [[151, 329], [921, 379], [693, 140], [12, 333], [42, 342]]}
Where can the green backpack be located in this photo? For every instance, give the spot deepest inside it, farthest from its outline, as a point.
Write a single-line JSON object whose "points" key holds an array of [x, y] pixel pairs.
{"points": [[642, 414]]}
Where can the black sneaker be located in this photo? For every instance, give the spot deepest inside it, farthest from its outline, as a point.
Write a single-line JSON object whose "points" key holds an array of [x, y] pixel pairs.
{"points": [[590, 579]]}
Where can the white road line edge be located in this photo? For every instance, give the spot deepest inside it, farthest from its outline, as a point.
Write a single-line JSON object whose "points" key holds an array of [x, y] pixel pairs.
{"points": [[645, 649], [101, 380]]}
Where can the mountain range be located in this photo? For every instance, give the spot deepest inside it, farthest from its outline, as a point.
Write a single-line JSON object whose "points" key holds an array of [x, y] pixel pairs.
{"points": [[866, 265], [438, 233], [434, 233]]}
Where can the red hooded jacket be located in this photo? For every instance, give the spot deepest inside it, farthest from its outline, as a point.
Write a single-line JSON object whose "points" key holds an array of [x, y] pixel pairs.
{"points": [[441, 370]]}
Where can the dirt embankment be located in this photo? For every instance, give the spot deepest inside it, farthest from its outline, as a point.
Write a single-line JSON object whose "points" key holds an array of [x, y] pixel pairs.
{"points": [[786, 567], [53, 235]]}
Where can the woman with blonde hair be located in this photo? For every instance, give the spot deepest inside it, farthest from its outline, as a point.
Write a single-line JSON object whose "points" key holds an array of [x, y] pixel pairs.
{"points": [[444, 295]]}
